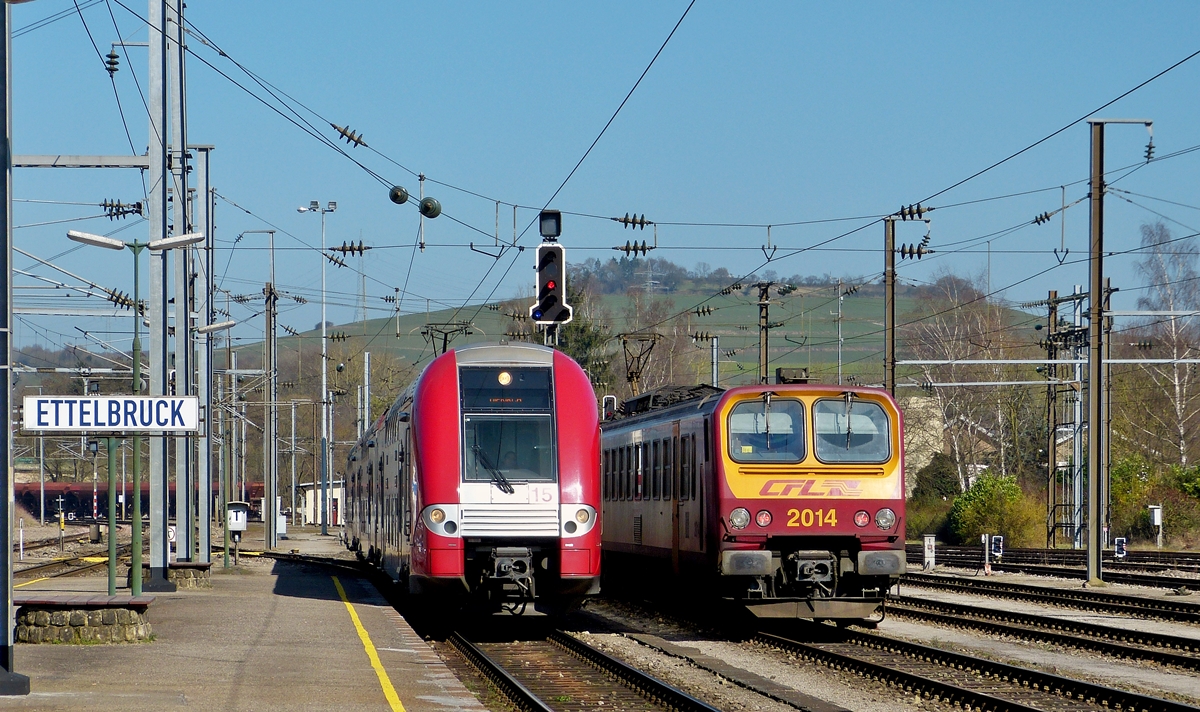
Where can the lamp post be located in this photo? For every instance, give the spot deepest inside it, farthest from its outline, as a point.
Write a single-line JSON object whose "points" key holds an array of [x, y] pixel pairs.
{"points": [[315, 207], [135, 524]]}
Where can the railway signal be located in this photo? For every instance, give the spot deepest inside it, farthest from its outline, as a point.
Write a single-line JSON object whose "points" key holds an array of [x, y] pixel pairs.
{"points": [[551, 306]]}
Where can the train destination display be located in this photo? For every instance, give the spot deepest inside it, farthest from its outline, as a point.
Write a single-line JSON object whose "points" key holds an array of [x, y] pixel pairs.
{"points": [[166, 414]]}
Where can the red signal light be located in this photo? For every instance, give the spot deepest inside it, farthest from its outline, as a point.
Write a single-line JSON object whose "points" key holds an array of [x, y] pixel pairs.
{"points": [[551, 284]]}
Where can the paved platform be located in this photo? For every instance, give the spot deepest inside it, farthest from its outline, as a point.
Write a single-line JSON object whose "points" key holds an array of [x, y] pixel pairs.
{"points": [[268, 636]]}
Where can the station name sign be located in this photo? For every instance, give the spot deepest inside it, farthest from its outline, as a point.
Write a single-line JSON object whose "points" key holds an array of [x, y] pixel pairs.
{"points": [[109, 414]]}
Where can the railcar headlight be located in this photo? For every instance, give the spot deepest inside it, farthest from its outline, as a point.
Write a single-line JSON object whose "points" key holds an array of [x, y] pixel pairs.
{"points": [[450, 527], [739, 518], [885, 518], [582, 516], [862, 518], [763, 518], [437, 516]]}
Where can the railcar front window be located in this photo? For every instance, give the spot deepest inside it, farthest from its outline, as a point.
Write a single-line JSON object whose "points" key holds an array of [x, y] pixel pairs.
{"points": [[851, 430], [768, 430], [520, 448]]}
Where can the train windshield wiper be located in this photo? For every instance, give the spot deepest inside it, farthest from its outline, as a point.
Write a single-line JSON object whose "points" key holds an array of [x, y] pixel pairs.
{"points": [[498, 477]]}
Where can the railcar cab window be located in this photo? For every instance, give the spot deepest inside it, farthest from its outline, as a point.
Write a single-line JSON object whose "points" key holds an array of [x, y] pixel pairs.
{"points": [[767, 430], [508, 430], [851, 429]]}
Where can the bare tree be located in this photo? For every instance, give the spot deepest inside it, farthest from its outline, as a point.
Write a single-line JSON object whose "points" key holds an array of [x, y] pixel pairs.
{"points": [[1173, 284]]}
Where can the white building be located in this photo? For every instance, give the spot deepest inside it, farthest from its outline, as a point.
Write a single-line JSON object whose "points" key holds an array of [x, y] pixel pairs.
{"points": [[311, 508]]}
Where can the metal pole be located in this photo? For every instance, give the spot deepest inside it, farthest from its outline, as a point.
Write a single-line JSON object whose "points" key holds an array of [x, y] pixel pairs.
{"points": [[159, 181], [11, 683], [764, 305], [1095, 355], [204, 352], [135, 524], [42, 478], [1051, 419], [184, 444], [366, 391], [270, 451], [292, 450], [889, 305], [841, 298], [715, 353], [1077, 437], [1106, 420], [112, 516], [324, 395]]}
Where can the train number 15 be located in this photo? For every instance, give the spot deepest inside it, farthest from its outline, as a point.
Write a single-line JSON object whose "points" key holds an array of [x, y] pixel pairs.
{"points": [[808, 518]]}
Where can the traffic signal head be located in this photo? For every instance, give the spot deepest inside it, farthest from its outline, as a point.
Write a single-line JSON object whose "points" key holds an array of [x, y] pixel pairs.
{"points": [[551, 306]]}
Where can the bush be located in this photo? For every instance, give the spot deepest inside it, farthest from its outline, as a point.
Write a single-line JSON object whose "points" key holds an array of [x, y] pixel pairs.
{"points": [[996, 505], [928, 516], [938, 480]]}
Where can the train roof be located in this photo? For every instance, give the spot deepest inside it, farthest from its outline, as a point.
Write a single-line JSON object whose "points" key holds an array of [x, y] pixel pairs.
{"points": [[504, 353], [662, 399]]}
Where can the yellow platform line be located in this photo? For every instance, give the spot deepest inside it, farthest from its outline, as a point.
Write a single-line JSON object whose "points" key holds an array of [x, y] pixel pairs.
{"points": [[27, 583], [384, 681]]}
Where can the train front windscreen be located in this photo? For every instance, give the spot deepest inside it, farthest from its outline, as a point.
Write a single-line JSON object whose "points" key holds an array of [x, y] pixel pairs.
{"points": [[508, 424]]}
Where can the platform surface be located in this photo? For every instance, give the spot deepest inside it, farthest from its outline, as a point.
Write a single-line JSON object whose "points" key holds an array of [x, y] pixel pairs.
{"points": [[268, 636]]}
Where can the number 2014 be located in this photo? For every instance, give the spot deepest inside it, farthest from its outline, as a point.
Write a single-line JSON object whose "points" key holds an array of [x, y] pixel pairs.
{"points": [[808, 518]]}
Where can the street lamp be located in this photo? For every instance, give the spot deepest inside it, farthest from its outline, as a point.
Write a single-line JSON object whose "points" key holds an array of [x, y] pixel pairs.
{"points": [[166, 243], [315, 207]]}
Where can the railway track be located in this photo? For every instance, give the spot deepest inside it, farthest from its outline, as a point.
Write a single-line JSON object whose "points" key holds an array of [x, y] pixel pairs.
{"points": [[1152, 560], [1177, 651], [1084, 599], [954, 678], [559, 673], [1190, 583], [73, 566]]}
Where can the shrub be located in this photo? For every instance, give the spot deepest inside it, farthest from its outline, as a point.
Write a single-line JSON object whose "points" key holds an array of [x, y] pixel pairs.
{"points": [[996, 505], [937, 480]]}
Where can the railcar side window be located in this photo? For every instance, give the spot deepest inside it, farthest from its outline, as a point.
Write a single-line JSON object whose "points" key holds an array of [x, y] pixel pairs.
{"points": [[626, 469], [851, 430], [692, 474], [669, 468], [767, 431], [684, 488], [656, 478], [643, 467], [604, 484]]}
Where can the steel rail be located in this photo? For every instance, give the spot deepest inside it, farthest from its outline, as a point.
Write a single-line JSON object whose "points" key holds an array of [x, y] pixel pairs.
{"points": [[1148, 580], [520, 696], [651, 687], [68, 564], [1084, 599], [1099, 638], [1020, 679]]}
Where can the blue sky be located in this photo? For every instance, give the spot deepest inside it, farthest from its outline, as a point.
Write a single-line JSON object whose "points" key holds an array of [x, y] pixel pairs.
{"points": [[755, 113]]}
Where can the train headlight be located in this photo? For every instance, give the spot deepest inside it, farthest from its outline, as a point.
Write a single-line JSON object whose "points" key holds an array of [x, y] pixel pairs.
{"points": [[862, 518], [885, 518], [504, 378], [739, 518], [582, 516], [437, 516], [450, 527], [763, 518]]}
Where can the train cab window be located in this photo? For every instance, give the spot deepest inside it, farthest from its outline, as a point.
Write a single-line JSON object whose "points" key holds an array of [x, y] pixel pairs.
{"points": [[851, 430], [767, 430], [518, 448]]}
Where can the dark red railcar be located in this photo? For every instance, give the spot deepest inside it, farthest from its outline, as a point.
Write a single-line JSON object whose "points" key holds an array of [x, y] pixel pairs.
{"points": [[483, 480], [788, 498]]}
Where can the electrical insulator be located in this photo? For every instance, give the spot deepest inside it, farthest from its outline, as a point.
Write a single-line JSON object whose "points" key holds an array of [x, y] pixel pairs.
{"points": [[430, 208], [389, 298], [911, 251], [398, 195], [289, 330], [351, 137], [702, 336], [1145, 344], [1149, 152], [851, 290], [1042, 219], [703, 311], [913, 212], [112, 63], [635, 221], [336, 260], [634, 248]]}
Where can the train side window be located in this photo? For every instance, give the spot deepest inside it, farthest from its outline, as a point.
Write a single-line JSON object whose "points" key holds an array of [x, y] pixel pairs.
{"points": [[692, 474], [684, 489], [707, 447], [643, 465], [623, 481], [604, 482], [656, 483], [670, 467]]}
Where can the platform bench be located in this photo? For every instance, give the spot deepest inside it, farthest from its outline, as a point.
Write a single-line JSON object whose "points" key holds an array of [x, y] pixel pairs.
{"points": [[82, 618]]}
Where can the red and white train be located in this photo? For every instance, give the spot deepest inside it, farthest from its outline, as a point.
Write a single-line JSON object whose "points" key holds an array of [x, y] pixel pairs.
{"points": [[482, 480], [788, 498]]}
